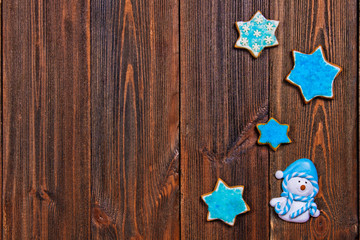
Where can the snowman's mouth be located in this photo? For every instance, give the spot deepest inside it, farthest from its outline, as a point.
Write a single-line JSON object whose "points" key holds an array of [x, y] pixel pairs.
{"points": [[302, 187]]}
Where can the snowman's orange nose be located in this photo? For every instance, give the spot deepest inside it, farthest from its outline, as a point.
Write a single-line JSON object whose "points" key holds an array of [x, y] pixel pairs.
{"points": [[302, 187]]}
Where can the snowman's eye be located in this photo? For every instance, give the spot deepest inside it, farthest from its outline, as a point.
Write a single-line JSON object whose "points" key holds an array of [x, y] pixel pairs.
{"points": [[305, 182], [299, 181]]}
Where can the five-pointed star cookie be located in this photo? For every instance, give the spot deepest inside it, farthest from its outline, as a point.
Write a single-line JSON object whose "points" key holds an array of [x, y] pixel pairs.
{"points": [[256, 34], [313, 74], [225, 202], [273, 133]]}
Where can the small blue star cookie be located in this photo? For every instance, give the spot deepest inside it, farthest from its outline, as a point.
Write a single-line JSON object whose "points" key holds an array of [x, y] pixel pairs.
{"points": [[225, 202], [313, 74], [273, 133], [256, 34]]}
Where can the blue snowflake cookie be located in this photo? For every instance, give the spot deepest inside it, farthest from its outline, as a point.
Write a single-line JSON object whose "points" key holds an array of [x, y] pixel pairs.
{"points": [[225, 203], [273, 133], [313, 74], [256, 34]]}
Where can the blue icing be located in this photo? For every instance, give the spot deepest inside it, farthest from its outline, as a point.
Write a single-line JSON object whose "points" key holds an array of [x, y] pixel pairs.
{"points": [[257, 34], [273, 133], [313, 74], [302, 165], [225, 203]]}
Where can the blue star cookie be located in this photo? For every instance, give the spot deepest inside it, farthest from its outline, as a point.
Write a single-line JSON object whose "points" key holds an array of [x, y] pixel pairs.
{"points": [[313, 74], [273, 133], [256, 34], [225, 203]]}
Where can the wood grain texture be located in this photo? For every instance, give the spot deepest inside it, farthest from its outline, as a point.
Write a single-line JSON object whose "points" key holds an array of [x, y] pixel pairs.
{"points": [[97, 142], [46, 116], [135, 119], [224, 94], [1, 125], [323, 130]]}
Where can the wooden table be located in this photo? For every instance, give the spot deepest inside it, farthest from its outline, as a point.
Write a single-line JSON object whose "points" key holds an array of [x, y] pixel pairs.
{"points": [[118, 114]]}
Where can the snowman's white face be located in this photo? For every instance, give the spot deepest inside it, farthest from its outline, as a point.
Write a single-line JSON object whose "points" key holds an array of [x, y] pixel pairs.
{"points": [[300, 186]]}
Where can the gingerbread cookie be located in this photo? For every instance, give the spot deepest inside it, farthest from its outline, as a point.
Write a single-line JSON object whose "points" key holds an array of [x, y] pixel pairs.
{"points": [[256, 34], [273, 133], [313, 74], [225, 203]]}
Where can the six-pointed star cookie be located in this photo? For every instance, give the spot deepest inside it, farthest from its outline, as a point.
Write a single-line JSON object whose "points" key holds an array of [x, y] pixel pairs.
{"points": [[273, 133], [313, 74], [256, 34], [225, 202]]}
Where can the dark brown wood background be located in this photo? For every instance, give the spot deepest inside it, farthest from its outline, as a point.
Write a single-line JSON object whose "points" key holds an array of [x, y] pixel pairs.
{"points": [[118, 114]]}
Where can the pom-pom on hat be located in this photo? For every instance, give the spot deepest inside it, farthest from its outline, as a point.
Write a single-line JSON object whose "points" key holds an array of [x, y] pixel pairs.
{"points": [[303, 165]]}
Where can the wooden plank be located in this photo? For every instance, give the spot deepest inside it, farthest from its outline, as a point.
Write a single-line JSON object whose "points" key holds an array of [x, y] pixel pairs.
{"points": [[46, 111], [135, 119], [224, 94], [323, 130], [1, 126]]}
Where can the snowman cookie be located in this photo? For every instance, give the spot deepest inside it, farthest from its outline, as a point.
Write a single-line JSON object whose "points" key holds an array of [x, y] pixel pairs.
{"points": [[300, 186]]}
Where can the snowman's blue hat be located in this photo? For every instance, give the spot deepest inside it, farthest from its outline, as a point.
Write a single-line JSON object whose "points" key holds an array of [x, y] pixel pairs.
{"points": [[303, 165]]}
